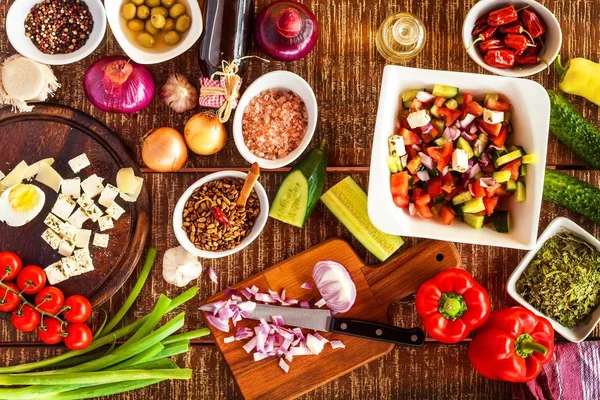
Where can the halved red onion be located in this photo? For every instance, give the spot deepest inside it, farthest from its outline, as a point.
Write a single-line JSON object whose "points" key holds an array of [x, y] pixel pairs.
{"points": [[335, 285], [425, 97], [468, 136], [307, 285], [474, 171], [423, 175], [467, 120], [426, 160]]}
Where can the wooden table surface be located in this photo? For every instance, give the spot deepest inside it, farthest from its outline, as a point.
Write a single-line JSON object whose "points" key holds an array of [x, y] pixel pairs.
{"points": [[345, 72]]}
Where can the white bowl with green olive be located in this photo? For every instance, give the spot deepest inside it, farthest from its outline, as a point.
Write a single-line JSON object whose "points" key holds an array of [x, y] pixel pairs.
{"points": [[154, 31]]}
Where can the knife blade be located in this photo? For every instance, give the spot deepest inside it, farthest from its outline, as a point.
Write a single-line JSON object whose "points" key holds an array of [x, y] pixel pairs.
{"points": [[322, 320]]}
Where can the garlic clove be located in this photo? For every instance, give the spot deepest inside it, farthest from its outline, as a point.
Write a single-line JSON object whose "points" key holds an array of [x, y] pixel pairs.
{"points": [[178, 93]]}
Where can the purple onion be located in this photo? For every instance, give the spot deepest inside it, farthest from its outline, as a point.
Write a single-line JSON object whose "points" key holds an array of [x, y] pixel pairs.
{"points": [[425, 97], [426, 160], [423, 175], [467, 120], [474, 171]]}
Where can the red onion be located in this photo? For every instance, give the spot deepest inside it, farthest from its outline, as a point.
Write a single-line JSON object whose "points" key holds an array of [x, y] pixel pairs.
{"points": [[426, 160], [470, 138], [423, 175], [465, 122], [474, 171], [335, 285], [114, 84], [425, 97], [286, 30], [412, 209]]}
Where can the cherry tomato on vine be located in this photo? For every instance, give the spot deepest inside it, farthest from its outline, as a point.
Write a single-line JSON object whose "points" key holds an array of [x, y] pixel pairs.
{"points": [[51, 331], [78, 308], [31, 279], [10, 265], [25, 318], [79, 336], [50, 299], [9, 300]]}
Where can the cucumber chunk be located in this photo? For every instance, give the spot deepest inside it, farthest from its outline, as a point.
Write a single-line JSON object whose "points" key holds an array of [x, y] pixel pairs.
{"points": [[434, 111], [291, 200], [409, 95], [473, 206], [501, 221], [501, 176], [511, 185], [489, 96], [520, 194], [446, 92], [439, 125], [529, 159], [506, 158], [451, 104], [461, 198], [475, 221], [462, 144]]}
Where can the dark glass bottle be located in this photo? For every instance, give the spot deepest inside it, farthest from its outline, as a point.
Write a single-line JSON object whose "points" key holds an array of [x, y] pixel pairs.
{"points": [[227, 33]]}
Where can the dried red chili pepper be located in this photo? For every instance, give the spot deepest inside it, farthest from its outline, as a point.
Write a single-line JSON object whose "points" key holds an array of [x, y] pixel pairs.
{"points": [[503, 16], [491, 44], [500, 58], [480, 25], [485, 35], [527, 60], [534, 50], [220, 215], [532, 23], [517, 42]]}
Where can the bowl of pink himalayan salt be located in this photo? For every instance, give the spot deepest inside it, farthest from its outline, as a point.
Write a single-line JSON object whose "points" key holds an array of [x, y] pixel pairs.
{"points": [[275, 119]]}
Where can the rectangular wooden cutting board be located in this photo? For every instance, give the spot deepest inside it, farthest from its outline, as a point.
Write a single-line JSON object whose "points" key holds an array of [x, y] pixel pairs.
{"points": [[377, 288]]}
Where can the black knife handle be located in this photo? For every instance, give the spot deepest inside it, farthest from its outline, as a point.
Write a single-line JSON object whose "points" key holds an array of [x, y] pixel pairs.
{"points": [[377, 331]]}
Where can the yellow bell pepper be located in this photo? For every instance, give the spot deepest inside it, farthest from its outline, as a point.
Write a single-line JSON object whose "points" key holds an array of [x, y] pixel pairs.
{"points": [[580, 77]]}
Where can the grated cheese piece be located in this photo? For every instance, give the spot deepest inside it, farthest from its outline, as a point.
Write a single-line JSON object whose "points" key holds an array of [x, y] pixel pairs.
{"points": [[100, 240], [71, 187], [55, 274], [16, 175], [92, 185], [52, 238], [78, 218], [63, 207], [78, 163], [49, 177], [82, 239], [34, 168], [108, 195], [115, 211], [105, 222]]}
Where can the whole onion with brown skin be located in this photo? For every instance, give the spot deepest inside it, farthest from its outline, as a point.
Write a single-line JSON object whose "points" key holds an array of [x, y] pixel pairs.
{"points": [[286, 30], [164, 150], [205, 134]]}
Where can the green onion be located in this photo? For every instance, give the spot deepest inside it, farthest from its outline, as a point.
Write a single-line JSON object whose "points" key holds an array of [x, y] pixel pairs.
{"points": [[173, 349], [89, 378], [187, 336], [134, 293], [160, 309], [142, 357], [104, 321], [107, 389]]}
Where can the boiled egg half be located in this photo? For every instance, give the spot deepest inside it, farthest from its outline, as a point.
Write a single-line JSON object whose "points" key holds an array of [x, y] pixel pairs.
{"points": [[21, 203]]}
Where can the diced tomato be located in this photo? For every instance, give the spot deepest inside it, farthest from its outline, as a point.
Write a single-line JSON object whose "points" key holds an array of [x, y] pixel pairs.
{"points": [[412, 153], [430, 136], [414, 164], [399, 184], [466, 100], [472, 108], [478, 190], [448, 179], [490, 129], [447, 215], [496, 105], [490, 204], [502, 192], [447, 188], [439, 101], [491, 191], [416, 105], [434, 187], [501, 138], [424, 211], [409, 137], [401, 201], [513, 167], [423, 199], [449, 115], [441, 155]]}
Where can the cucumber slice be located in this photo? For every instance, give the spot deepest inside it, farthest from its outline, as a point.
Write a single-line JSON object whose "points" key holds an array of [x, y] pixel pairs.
{"points": [[523, 171], [441, 141], [501, 221], [488, 96], [475, 221], [409, 95], [529, 159], [501, 176], [439, 125], [520, 194], [291, 200], [461, 198], [462, 144], [451, 104], [446, 92], [473, 206], [459, 99], [392, 165], [348, 202], [506, 158], [511, 185], [483, 139]]}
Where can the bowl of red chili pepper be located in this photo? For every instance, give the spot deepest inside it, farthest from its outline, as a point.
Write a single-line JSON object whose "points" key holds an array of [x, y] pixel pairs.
{"points": [[516, 39]]}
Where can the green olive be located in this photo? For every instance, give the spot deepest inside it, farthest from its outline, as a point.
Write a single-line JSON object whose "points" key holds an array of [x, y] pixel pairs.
{"points": [[183, 23], [143, 12], [153, 3], [146, 39], [128, 11], [158, 21], [168, 3], [136, 25], [171, 38], [169, 25], [177, 10], [159, 10], [137, 2], [151, 29]]}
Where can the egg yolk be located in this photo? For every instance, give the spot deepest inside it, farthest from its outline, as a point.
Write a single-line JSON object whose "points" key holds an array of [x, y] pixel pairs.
{"points": [[23, 198]]}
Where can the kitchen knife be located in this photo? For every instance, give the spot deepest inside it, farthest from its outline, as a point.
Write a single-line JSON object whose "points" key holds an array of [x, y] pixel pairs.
{"points": [[322, 320]]}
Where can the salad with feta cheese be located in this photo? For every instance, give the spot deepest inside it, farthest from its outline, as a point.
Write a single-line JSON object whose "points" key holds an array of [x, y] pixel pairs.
{"points": [[451, 158]]}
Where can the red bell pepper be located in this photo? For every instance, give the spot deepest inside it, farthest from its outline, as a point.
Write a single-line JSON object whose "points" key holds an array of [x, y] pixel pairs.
{"points": [[447, 215], [490, 129], [502, 136], [449, 115], [490, 204], [496, 105], [451, 305], [478, 190], [513, 345], [434, 187], [513, 167]]}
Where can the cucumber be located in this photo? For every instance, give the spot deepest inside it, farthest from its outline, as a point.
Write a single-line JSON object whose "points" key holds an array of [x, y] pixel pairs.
{"points": [[529, 159], [507, 117], [511, 185], [576, 195], [393, 165], [501, 221], [451, 104], [409, 95], [407, 104], [439, 125], [462, 144], [571, 128], [434, 111], [440, 141], [523, 171], [473, 206], [501, 176], [488, 96], [475, 221], [348, 202], [506, 158], [300, 190], [520, 194], [483, 139], [459, 99], [446, 92], [461, 198]]}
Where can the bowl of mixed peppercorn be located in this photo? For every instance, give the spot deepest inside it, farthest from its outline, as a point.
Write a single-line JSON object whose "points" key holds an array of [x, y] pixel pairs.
{"points": [[515, 39], [56, 32]]}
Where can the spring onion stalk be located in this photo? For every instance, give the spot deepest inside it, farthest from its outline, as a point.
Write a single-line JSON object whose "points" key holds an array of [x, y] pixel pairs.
{"points": [[79, 360], [142, 357], [187, 336], [107, 389], [160, 309], [173, 350], [133, 294], [90, 378], [102, 325]]}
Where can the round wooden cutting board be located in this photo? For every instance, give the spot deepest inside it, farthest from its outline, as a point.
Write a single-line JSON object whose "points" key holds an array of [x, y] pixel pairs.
{"points": [[63, 133]]}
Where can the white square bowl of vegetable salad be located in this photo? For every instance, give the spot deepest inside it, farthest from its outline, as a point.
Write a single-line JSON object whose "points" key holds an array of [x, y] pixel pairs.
{"points": [[459, 157]]}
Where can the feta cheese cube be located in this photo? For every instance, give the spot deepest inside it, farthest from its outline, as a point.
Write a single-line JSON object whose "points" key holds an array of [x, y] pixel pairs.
{"points": [[108, 195], [100, 240], [63, 207], [94, 212], [418, 119], [92, 185], [67, 231], [396, 145], [115, 211], [53, 222], [84, 201], [105, 222], [84, 261], [82, 239], [69, 265], [78, 218], [71, 187], [52, 238], [493, 117], [66, 247], [460, 160], [78, 163], [55, 274]]}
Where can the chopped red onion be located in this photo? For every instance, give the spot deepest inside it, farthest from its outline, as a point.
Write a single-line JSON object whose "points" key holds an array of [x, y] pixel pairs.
{"points": [[264, 297], [445, 170], [314, 344], [307, 285], [473, 129], [246, 293], [284, 366], [488, 182], [229, 339], [425, 97], [427, 128], [471, 190], [423, 175], [253, 289], [404, 160], [212, 275], [468, 137], [278, 320], [337, 344], [467, 120], [412, 210], [451, 133], [222, 325], [320, 303], [474, 171], [426, 160], [304, 304]]}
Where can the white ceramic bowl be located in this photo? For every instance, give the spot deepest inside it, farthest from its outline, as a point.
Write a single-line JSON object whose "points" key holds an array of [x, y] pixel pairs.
{"points": [[276, 80], [142, 55], [560, 224], [15, 30], [552, 36], [531, 113], [259, 224]]}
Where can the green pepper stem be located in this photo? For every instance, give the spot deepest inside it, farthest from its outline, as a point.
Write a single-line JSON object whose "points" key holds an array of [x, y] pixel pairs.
{"points": [[452, 306], [560, 69], [525, 346], [323, 143]]}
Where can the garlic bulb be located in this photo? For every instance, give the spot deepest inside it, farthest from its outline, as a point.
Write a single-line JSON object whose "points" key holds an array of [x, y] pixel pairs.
{"points": [[179, 94], [180, 267]]}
